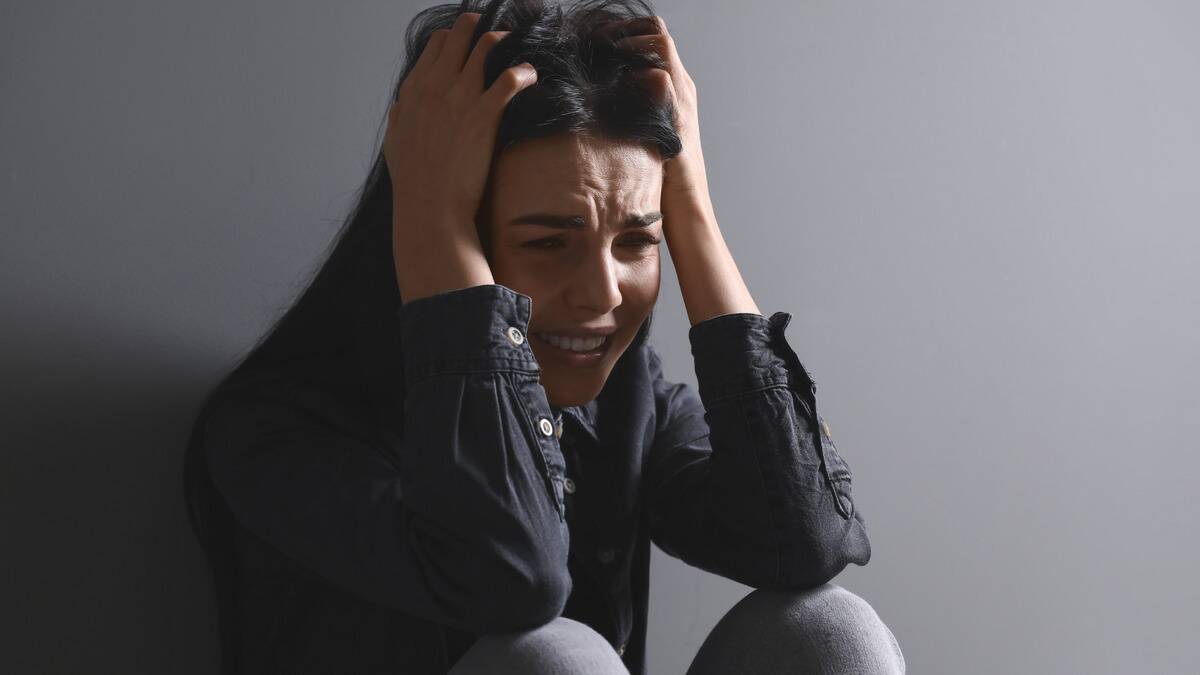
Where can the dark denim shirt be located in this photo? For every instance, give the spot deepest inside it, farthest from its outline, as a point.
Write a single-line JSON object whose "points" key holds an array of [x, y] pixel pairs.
{"points": [[481, 508]]}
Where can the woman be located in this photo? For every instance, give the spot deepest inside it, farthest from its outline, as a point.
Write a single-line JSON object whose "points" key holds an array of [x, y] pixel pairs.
{"points": [[451, 454]]}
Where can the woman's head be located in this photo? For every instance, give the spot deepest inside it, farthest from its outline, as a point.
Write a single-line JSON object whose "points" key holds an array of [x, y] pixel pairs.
{"points": [[584, 146]]}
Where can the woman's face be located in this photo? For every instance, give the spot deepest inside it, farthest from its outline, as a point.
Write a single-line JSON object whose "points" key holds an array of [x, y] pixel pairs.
{"points": [[602, 271]]}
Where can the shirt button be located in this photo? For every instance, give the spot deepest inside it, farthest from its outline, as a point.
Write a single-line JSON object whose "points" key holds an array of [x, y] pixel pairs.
{"points": [[569, 486], [606, 555], [545, 425], [515, 336], [558, 428], [826, 426], [621, 650]]}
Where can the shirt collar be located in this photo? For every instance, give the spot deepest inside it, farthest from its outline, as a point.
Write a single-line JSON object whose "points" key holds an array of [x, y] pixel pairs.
{"points": [[584, 416]]}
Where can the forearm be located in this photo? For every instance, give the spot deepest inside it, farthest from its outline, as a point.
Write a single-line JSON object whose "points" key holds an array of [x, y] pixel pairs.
{"points": [[436, 254], [709, 279]]}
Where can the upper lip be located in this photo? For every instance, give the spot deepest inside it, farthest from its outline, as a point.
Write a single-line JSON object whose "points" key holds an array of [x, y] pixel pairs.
{"points": [[582, 332]]}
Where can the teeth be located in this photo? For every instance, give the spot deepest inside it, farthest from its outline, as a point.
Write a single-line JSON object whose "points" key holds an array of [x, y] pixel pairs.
{"points": [[573, 344]]}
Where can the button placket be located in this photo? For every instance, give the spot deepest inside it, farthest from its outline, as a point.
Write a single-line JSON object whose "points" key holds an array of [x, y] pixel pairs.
{"points": [[545, 425], [547, 429]]}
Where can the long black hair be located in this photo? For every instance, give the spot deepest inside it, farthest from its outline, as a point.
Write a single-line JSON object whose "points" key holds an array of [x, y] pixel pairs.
{"points": [[341, 333]]}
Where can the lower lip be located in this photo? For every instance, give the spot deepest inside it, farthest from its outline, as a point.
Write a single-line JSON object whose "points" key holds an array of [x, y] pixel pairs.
{"points": [[578, 359]]}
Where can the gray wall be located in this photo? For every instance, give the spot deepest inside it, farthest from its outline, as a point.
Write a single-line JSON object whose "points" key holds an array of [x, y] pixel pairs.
{"points": [[983, 217]]}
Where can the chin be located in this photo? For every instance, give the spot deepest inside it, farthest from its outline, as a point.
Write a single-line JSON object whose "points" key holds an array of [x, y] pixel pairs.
{"points": [[568, 401], [566, 386], [579, 393]]}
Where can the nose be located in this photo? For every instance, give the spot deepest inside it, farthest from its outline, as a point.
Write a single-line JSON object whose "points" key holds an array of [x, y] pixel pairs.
{"points": [[596, 285]]}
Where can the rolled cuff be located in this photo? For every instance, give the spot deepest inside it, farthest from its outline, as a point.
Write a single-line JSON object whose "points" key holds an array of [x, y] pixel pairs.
{"points": [[744, 352], [478, 328]]}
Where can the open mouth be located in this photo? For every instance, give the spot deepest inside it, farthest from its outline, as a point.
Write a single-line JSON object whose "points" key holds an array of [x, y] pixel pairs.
{"points": [[587, 358]]}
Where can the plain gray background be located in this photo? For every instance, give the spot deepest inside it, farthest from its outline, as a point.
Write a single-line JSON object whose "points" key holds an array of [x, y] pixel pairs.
{"points": [[982, 215]]}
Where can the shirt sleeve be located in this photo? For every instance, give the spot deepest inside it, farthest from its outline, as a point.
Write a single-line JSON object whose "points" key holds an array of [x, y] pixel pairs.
{"points": [[461, 520], [744, 480]]}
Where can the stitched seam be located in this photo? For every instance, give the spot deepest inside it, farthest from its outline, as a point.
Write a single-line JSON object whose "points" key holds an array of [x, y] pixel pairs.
{"points": [[421, 375], [769, 383], [692, 440]]}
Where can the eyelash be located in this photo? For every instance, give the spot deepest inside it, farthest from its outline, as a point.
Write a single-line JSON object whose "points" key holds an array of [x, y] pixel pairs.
{"points": [[646, 242]]}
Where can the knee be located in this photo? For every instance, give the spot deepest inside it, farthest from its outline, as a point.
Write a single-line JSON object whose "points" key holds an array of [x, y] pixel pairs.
{"points": [[559, 646], [829, 608], [821, 629]]}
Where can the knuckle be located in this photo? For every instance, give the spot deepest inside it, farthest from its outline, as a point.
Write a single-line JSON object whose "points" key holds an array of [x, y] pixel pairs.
{"points": [[513, 77]]}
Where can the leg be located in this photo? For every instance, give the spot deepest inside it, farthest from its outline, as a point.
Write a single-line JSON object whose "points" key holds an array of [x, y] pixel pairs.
{"points": [[825, 630], [561, 647]]}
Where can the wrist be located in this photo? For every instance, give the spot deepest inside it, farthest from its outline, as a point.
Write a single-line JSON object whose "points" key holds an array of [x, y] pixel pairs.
{"points": [[435, 255], [691, 216], [450, 274]]}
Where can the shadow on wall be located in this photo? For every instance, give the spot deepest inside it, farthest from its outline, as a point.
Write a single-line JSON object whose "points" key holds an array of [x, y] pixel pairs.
{"points": [[105, 574]]}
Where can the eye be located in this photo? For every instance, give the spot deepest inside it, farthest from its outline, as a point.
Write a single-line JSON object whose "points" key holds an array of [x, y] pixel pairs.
{"points": [[646, 242], [542, 244], [556, 242]]}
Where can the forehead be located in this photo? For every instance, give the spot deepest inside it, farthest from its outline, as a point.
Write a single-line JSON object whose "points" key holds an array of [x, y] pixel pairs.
{"points": [[568, 168]]}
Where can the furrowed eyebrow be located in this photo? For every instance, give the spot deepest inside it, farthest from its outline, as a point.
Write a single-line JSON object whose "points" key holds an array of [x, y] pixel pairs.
{"points": [[578, 222]]}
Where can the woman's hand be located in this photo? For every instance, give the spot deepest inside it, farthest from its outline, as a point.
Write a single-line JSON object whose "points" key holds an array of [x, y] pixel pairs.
{"points": [[709, 278], [685, 184], [438, 147]]}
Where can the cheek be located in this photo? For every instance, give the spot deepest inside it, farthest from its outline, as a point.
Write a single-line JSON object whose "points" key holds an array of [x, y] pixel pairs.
{"points": [[639, 290], [646, 277], [640, 277]]}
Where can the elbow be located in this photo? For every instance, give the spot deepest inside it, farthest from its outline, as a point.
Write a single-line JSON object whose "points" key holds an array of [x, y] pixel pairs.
{"points": [[819, 567], [817, 560], [506, 575], [518, 595], [528, 586], [831, 560], [544, 601]]}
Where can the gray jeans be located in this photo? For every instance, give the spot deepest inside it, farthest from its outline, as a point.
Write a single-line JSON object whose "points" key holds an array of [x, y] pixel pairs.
{"points": [[825, 630]]}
